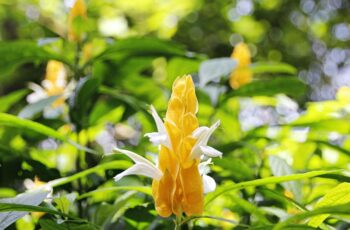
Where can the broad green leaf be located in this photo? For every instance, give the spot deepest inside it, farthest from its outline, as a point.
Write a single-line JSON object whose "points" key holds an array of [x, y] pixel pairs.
{"points": [[9, 100], [180, 66], [336, 210], [214, 69], [336, 196], [16, 53], [290, 86], [133, 102], [141, 46], [30, 198], [31, 110], [81, 102], [272, 67], [47, 224], [279, 167], [13, 121], [264, 181]]}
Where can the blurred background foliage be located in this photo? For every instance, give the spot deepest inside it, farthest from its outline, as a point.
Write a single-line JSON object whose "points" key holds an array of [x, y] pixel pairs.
{"points": [[293, 117]]}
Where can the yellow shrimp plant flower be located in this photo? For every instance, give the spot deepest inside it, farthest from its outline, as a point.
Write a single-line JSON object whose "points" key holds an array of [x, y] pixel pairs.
{"points": [[54, 84], [78, 10], [179, 179], [242, 75]]}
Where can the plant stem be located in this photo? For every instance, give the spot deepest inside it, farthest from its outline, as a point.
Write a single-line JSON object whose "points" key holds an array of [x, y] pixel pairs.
{"points": [[178, 222]]}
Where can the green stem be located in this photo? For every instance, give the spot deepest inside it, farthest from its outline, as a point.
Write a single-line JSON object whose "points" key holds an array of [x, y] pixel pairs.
{"points": [[178, 222]]}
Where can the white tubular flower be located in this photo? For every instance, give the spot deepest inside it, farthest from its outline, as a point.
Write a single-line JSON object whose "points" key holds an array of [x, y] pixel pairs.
{"points": [[54, 84], [202, 134], [161, 137], [209, 184], [142, 166], [38, 94]]}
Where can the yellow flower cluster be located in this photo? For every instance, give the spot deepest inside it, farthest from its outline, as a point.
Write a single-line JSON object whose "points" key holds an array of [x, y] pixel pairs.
{"points": [[179, 180], [242, 75], [78, 11], [180, 188], [55, 81]]}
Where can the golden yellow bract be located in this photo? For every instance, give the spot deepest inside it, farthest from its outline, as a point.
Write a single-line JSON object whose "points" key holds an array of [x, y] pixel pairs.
{"points": [[180, 179], [181, 188], [78, 10], [242, 75], [55, 81]]}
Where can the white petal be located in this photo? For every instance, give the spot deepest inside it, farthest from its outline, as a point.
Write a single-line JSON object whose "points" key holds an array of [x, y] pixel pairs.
{"points": [[35, 87], [47, 84], [157, 138], [205, 138], [134, 156], [141, 169], [200, 131], [38, 94], [203, 134], [209, 184], [158, 120], [35, 97], [210, 151], [203, 167], [162, 134]]}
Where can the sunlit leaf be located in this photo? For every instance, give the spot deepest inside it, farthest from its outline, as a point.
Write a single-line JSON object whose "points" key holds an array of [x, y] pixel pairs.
{"points": [[13, 121], [264, 181], [336, 196], [290, 86], [337, 209], [272, 67], [279, 167], [9, 100]]}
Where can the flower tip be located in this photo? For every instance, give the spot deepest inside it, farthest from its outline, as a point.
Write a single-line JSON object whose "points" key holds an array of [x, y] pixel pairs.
{"points": [[117, 178]]}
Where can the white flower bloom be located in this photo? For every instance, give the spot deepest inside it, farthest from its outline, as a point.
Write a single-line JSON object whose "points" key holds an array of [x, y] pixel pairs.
{"points": [[161, 137], [209, 183], [202, 134], [142, 167]]}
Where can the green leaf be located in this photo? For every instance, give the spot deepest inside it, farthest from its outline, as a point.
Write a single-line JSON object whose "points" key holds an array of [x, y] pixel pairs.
{"points": [[110, 165], [133, 102], [10, 99], [291, 86], [64, 202], [214, 69], [7, 217], [180, 66], [16, 53], [13, 121], [81, 102], [269, 180], [279, 167], [47, 224], [31, 110], [338, 209], [142, 189], [338, 195], [141, 46], [7, 192], [272, 67]]}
